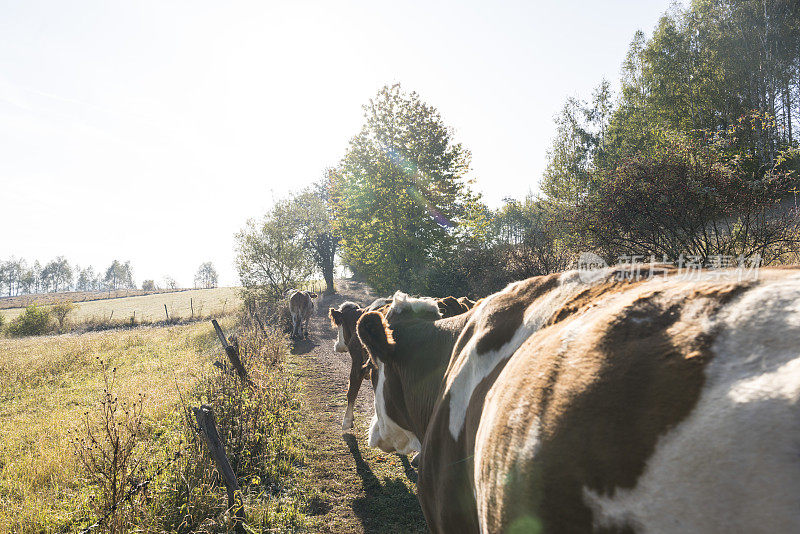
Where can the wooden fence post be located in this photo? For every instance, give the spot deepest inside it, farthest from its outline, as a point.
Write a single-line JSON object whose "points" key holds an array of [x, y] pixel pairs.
{"points": [[191, 305], [208, 427], [232, 352], [166, 312]]}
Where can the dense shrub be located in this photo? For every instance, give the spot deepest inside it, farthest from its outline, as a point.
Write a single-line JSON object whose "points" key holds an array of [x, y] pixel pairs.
{"points": [[34, 321]]}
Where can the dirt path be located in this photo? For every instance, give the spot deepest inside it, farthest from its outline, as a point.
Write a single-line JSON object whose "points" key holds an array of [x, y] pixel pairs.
{"points": [[358, 489]]}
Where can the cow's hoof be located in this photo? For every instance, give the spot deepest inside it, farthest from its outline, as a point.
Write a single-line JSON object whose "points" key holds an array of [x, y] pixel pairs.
{"points": [[347, 424]]}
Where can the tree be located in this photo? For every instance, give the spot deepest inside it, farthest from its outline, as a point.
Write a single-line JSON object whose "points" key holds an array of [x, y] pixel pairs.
{"points": [[119, 276], [60, 311], [206, 276], [400, 191], [270, 257], [148, 285], [88, 280], [312, 214], [688, 198], [170, 283], [57, 275]]}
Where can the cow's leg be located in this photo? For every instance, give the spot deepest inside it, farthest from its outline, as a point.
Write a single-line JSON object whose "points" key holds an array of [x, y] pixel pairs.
{"points": [[356, 377], [295, 324], [307, 320]]}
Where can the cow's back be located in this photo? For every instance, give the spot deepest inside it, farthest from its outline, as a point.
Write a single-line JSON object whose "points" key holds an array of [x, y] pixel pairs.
{"points": [[658, 406]]}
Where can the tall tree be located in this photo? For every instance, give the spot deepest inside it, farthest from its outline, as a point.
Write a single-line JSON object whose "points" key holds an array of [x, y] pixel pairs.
{"points": [[312, 213], [206, 276], [57, 275], [400, 190], [119, 276]]}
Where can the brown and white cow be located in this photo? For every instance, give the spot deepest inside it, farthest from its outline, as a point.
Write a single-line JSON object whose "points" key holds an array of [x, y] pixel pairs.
{"points": [[344, 319], [301, 307], [561, 405]]}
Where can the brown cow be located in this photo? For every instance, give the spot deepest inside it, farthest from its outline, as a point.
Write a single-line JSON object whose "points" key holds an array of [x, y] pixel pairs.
{"points": [[301, 307], [344, 319], [566, 405]]}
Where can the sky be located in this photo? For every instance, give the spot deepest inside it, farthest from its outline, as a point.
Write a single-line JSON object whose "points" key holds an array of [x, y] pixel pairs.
{"points": [[151, 131]]}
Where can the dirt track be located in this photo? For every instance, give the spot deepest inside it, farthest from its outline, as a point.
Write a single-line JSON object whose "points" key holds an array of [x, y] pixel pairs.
{"points": [[359, 489]]}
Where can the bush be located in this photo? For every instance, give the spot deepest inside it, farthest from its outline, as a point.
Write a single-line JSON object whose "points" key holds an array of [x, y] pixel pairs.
{"points": [[34, 321], [60, 312], [2, 323]]}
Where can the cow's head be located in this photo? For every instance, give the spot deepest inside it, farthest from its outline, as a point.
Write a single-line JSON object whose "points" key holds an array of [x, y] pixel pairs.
{"points": [[344, 319], [400, 354]]}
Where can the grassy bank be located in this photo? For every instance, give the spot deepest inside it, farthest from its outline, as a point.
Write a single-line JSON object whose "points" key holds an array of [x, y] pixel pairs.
{"points": [[50, 387]]}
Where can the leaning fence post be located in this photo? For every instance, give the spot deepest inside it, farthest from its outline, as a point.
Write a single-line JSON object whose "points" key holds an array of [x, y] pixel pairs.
{"points": [[208, 427], [231, 351]]}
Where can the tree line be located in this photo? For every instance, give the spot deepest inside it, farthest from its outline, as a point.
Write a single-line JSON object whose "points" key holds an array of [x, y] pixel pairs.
{"points": [[18, 277], [696, 156]]}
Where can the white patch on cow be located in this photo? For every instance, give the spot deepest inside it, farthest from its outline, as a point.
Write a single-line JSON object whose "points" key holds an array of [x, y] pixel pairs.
{"points": [[474, 368], [340, 345], [734, 464], [347, 421], [402, 302], [384, 433]]}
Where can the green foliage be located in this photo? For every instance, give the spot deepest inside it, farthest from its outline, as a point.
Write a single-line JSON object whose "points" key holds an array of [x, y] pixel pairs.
{"points": [[270, 255], [2, 323], [149, 285], [400, 191], [34, 321], [311, 212], [690, 197]]}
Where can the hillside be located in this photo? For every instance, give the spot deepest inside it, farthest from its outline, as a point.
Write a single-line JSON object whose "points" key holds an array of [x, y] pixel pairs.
{"points": [[147, 307]]}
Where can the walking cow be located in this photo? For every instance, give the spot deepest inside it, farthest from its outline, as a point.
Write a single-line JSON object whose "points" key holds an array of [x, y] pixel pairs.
{"points": [[562, 404], [301, 307]]}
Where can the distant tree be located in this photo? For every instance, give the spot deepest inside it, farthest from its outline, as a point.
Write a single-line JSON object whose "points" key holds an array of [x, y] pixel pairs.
{"points": [[60, 311], [119, 276], [270, 256], [87, 280], [170, 283], [57, 275], [148, 285], [312, 213], [206, 276]]}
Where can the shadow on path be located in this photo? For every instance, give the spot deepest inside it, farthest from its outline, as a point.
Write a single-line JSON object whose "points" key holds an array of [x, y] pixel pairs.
{"points": [[389, 506]]}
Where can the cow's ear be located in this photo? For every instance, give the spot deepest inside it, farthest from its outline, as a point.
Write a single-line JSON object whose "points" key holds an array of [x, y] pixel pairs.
{"points": [[336, 317], [376, 336]]}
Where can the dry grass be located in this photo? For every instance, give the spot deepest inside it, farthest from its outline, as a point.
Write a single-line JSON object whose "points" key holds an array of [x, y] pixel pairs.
{"points": [[47, 299], [46, 386], [150, 307]]}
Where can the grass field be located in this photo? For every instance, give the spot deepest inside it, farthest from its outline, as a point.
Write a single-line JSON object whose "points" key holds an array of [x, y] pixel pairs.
{"points": [[150, 307], [47, 299], [46, 386]]}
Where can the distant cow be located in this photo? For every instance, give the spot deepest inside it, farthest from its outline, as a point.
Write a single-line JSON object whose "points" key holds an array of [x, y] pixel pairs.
{"points": [[344, 319], [451, 306], [562, 405], [301, 307]]}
